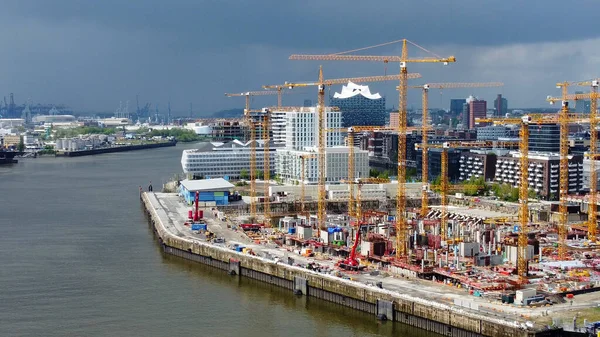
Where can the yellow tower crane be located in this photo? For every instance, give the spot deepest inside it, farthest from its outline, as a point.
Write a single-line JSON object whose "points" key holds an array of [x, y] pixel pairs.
{"points": [[403, 59], [425, 128], [524, 122], [320, 84], [445, 187], [593, 155], [304, 158], [564, 118], [265, 131], [351, 164]]}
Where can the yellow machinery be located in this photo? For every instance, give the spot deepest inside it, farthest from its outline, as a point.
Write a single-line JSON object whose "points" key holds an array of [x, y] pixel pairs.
{"points": [[564, 118], [425, 128], [403, 59], [303, 182], [251, 124], [523, 182], [320, 84], [593, 154]]}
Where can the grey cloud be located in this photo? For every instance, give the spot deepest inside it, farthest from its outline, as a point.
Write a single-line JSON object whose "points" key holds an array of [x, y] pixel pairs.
{"points": [[92, 54]]}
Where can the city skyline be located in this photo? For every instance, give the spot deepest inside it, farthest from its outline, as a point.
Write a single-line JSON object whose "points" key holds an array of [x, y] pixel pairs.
{"points": [[90, 56]]}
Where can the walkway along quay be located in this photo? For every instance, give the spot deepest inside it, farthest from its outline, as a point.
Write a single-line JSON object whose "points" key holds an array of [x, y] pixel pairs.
{"points": [[432, 315]]}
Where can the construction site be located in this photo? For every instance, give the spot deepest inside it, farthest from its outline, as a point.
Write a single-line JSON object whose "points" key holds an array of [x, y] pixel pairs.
{"points": [[525, 261]]}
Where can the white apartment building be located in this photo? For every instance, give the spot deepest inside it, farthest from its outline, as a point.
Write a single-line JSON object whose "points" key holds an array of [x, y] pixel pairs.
{"points": [[587, 173], [302, 140], [224, 160], [289, 164], [302, 128], [278, 126]]}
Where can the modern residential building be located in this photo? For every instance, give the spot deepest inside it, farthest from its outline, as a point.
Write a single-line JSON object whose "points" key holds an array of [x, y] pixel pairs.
{"points": [[543, 173], [359, 106], [224, 160], [587, 174], [435, 163], [500, 106], [544, 137], [302, 128], [492, 132], [227, 130], [478, 163], [289, 164], [278, 127], [301, 139], [456, 106]]}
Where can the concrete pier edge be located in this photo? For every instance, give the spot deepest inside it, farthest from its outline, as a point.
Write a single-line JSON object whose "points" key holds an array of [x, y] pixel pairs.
{"points": [[431, 316]]}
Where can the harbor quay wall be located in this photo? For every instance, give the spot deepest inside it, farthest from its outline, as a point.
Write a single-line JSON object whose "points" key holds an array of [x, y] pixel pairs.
{"points": [[431, 316], [123, 148]]}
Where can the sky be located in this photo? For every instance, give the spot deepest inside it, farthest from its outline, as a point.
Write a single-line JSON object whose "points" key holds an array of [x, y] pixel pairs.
{"points": [[91, 55]]}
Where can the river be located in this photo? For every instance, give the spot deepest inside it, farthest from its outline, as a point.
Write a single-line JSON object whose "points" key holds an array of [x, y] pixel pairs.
{"points": [[77, 258]]}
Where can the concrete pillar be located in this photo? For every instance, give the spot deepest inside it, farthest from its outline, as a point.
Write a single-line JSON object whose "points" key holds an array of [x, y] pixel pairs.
{"points": [[300, 286], [385, 310], [234, 267]]}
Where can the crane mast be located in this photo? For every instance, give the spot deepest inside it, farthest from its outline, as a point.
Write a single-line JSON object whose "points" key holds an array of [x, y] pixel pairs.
{"points": [[444, 204], [563, 121], [252, 159], [351, 175], [401, 230], [592, 212], [424, 156], [523, 199], [321, 162], [267, 162]]}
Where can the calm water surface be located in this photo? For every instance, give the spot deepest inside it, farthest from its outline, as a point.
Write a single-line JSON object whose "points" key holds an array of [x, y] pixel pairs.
{"points": [[77, 258]]}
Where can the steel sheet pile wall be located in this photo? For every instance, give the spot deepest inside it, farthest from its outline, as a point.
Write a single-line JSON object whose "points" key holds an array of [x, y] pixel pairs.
{"points": [[434, 317]]}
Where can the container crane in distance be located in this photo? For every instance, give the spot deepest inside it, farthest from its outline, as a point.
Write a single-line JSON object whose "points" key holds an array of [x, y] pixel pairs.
{"points": [[425, 128], [403, 60], [320, 84]]}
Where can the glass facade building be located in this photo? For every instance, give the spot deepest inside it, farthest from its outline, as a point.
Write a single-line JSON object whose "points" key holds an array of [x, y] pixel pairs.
{"points": [[359, 106], [544, 137]]}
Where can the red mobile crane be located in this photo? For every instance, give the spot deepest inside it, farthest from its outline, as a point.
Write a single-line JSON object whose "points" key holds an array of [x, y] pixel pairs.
{"points": [[351, 263]]}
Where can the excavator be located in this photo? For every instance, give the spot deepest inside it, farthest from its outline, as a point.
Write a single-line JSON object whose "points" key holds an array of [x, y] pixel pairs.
{"points": [[352, 263]]}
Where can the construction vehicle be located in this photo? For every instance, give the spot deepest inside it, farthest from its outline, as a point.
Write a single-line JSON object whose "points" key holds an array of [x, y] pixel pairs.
{"points": [[352, 262]]}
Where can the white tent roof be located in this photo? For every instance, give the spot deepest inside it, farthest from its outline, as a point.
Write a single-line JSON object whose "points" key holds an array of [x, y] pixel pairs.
{"points": [[353, 89], [217, 184]]}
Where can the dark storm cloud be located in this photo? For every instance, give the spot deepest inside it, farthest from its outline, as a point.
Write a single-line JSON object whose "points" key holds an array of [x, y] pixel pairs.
{"points": [[91, 54]]}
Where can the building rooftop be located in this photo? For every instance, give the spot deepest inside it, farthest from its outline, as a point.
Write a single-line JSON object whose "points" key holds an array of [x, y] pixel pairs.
{"points": [[353, 89], [206, 184]]}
